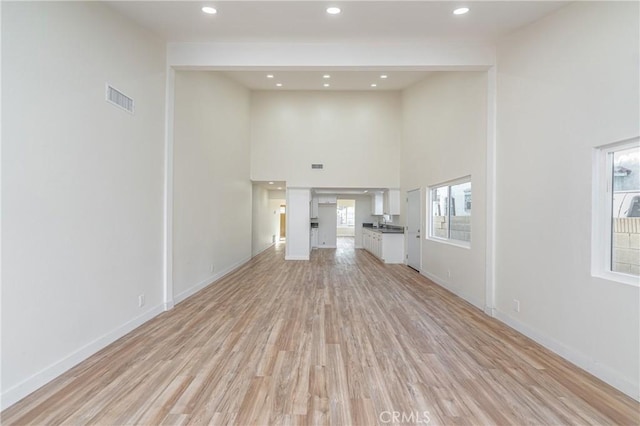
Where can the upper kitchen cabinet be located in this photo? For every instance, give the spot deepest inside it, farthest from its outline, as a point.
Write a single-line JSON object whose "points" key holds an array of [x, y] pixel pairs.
{"points": [[377, 204], [391, 202], [319, 200], [327, 199]]}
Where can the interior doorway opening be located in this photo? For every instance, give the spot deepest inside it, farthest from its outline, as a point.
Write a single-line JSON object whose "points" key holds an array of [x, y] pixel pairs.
{"points": [[345, 224], [283, 223]]}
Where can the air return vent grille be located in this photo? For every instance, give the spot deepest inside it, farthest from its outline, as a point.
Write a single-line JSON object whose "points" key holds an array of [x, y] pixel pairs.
{"points": [[119, 99], [317, 166]]}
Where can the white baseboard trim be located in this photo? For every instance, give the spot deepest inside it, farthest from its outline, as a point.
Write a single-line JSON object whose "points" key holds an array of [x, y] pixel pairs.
{"points": [[296, 258], [457, 292], [31, 384], [207, 281], [603, 372], [263, 249], [41, 378]]}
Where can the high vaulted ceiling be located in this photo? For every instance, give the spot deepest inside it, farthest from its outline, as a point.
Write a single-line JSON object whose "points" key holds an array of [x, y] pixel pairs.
{"points": [[370, 23], [307, 21]]}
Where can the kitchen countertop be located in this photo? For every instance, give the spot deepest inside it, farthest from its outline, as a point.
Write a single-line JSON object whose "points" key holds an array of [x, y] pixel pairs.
{"points": [[384, 230]]}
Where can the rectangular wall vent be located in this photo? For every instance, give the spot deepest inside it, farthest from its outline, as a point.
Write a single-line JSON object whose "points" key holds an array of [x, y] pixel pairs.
{"points": [[317, 166], [119, 99]]}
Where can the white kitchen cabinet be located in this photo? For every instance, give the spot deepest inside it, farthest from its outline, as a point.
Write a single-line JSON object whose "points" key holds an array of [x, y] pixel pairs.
{"points": [[366, 239], [377, 245], [391, 202], [392, 248], [314, 208], [327, 199], [387, 247], [377, 204]]}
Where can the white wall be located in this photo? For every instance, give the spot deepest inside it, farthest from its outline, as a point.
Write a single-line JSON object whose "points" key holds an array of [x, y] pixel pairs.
{"points": [[278, 195], [212, 190], [298, 224], [566, 84], [327, 225], [444, 138], [432, 54], [265, 221], [82, 186], [356, 135]]}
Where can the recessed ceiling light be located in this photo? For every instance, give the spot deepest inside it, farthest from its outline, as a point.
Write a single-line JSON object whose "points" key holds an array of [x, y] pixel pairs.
{"points": [[333, 10], [374, 85], [326, 85], [326, 76], [279, 187], [270, 183], [210, 10], [269, 75], [365, 191], [461, 11], [279, 84], [383, 76]]}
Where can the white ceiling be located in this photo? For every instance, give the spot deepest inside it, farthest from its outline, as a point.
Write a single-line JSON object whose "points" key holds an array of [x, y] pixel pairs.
{"points": [[282, 185], [274, 185], [339, 80], [306, 21], [346, 191]]}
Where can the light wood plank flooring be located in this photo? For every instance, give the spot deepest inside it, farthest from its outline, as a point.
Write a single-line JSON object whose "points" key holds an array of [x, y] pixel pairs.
{"points": [[341, 340]]}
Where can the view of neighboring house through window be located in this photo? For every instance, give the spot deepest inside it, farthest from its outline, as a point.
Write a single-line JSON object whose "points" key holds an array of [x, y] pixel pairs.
{"points": [[450, 211], [440, 212], [624, 164]]}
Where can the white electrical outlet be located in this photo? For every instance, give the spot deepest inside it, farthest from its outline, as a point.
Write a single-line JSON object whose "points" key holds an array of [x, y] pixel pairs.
{"points": [[141, 300], [516, 305], [211, 268], [449, 273]]}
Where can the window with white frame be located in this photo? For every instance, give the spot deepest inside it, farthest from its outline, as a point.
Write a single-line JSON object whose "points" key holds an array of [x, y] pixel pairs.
{"points": [[616, 233], [450, 211], [346, 215]]}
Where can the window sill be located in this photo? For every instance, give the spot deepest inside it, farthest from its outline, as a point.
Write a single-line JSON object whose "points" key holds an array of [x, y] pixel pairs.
{"points": [[618, 277], [455, 243]]}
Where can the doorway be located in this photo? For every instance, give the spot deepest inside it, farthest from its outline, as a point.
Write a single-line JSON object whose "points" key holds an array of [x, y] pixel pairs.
{"points": [[414, 241], [345, 224], [283, 222]]}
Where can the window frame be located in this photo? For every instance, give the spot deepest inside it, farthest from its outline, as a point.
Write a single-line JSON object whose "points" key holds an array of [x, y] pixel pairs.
{"points": [[602, 216], [431, 190], [347, 209]]}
